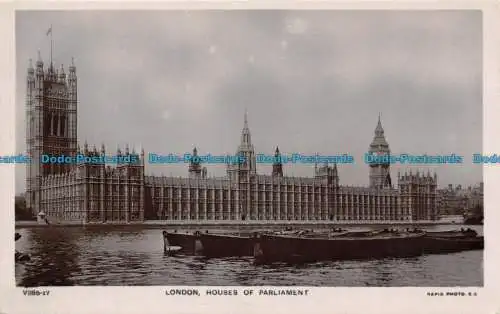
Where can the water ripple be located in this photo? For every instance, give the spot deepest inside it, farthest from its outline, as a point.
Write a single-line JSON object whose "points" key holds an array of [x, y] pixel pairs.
{"points": [[90, 256]]}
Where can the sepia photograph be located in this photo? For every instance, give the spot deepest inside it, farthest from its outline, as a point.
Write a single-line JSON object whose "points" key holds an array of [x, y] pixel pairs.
{"points": [[237, 153], [246, 148]]}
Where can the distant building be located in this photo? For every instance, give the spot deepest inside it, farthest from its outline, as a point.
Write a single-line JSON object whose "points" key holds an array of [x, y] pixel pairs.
{"points": [[96, 193], [455, 200], [476, 196]]}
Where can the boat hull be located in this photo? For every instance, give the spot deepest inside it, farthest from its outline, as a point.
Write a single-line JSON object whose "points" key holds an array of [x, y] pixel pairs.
{"points": [[220, 245], [444, 245], [270, 248], [457, 234], [187, 242]]}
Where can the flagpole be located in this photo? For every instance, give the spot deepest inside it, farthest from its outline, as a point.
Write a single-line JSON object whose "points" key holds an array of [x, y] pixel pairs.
{"points": [[51, 44]]}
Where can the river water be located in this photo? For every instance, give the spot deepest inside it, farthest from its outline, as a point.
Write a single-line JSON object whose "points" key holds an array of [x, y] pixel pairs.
{"points": [[134, 256]]}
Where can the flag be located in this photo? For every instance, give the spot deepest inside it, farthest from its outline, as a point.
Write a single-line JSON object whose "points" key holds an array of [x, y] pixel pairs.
{"points": [[49, 31]]}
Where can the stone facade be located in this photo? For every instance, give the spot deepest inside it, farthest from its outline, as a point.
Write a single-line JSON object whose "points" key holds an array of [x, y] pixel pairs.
{"points": [[96, 193], [51, 123]]}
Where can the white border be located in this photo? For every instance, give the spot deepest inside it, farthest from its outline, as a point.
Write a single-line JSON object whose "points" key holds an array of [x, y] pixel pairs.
{"points": [[320, 300]]}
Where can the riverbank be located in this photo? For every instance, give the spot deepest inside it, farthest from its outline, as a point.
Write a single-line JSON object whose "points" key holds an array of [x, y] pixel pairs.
{"points": [[134, 257], [255, 224]]}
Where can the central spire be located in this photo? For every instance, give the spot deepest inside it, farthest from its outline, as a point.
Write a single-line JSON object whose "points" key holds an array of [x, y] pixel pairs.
{"points": [[246, 119], [246, 150], [246, 139]]}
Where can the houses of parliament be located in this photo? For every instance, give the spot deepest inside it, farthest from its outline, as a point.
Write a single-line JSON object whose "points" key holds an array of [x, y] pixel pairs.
{"points": [[93, 193]]}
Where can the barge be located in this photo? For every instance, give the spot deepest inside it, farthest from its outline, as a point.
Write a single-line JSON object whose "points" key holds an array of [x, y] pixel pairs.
{"points": [[189, 243], [243, 243], [227, 245], [452, 241], [299, 249], [310, 246]]}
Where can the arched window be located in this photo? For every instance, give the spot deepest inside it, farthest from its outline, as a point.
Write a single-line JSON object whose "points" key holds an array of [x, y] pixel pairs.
{"points": [[47, 124], [63, 126], [56, 123]]}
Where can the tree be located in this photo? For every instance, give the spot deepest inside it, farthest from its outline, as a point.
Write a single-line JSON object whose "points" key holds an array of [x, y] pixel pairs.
{"points": [[478, 210], [21, 212]]}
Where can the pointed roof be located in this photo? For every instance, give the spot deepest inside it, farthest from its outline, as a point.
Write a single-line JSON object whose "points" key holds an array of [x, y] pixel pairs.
{"points": [[39, 61], [246, 119], [277, 156], [379, 130], [62, 75], [246, 138], [195, 154], [379, 138], [72, 67]]}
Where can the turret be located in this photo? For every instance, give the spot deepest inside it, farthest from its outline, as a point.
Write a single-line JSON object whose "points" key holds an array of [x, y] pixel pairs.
{"points": [[195, 165], [72, 75], [62, 75], [277, 165], [39, 61], [31, 70], [72, 68]]}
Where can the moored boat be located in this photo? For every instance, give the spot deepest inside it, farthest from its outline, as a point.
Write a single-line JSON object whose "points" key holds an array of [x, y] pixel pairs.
{"points": [[225, 245], [296, 249], [443, 245], [455, 234], [443, 242], [188, 242]]}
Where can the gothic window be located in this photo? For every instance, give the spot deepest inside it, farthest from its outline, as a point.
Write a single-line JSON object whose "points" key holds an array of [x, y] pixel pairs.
{"points": [[56, 124], [46, 124], [63, 125]]}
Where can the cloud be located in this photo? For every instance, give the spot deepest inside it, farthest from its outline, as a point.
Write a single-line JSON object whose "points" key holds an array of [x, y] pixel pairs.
{"points": [[296, 25], [313, 81], [165, 115]]}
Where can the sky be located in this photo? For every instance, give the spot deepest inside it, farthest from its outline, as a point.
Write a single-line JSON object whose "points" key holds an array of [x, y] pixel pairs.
{"points": [[311, 82]]}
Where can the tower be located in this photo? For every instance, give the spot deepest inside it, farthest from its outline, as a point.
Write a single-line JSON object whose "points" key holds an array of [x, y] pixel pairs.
{"points": [[380, 173], [277, 165], [241, 173], [246, 149], [51, 123]]}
